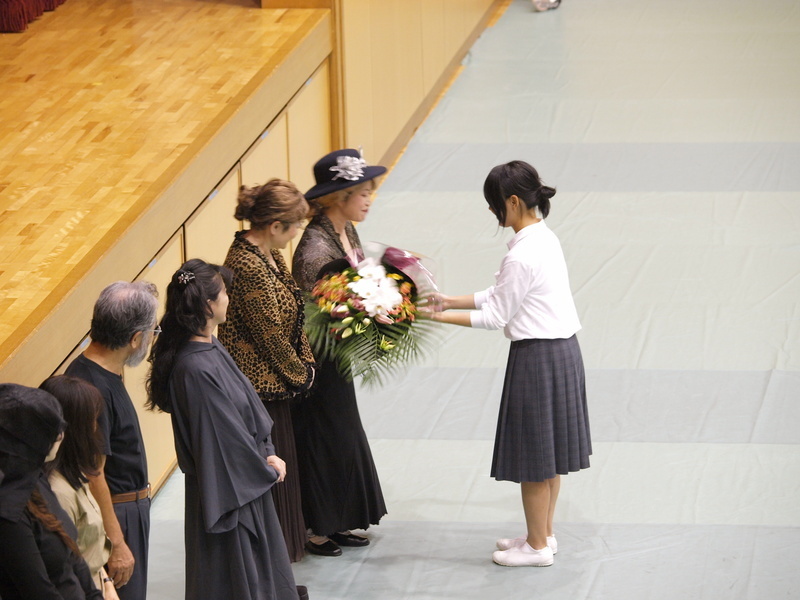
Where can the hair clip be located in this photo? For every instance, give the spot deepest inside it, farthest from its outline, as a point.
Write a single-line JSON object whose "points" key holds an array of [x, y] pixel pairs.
{"points": [[184, 277]]}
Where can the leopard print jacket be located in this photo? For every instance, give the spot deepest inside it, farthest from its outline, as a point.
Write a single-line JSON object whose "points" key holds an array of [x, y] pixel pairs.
{"points": [[264, 328]]}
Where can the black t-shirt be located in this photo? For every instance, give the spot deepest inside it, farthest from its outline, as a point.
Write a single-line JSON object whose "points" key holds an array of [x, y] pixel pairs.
{"points": [[126, 463]]}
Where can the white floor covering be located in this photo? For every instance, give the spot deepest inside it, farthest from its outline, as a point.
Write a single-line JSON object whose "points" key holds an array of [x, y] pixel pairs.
{"points": [[672, 132]]}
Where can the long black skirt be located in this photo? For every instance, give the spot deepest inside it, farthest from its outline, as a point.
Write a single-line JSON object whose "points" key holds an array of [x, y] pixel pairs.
{"points": [[286, 495], [543, 425], [338, 479]]}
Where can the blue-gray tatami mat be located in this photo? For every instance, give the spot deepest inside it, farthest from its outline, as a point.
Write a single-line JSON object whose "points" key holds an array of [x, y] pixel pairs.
{"points": [[672, 132]]}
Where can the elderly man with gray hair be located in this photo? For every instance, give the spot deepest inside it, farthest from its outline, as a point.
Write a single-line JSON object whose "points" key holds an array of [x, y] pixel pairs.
{"points": [[123, 327]]}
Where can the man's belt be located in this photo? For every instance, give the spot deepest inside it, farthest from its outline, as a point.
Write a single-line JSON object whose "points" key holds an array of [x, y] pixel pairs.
{"points": [[131, 496]]}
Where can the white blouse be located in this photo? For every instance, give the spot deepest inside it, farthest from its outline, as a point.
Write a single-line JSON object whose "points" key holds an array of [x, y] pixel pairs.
{"points": [[531, 297], [84, 511]]}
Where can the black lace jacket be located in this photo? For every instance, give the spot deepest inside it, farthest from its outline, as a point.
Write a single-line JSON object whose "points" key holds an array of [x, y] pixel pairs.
{"points": [[319, 245]]}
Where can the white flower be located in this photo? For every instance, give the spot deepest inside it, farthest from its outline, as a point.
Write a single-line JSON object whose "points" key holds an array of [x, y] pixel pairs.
{"points": [[370, 268], [364, 288], [379, 293], [383, 302], [372, 274], [349, 167]]}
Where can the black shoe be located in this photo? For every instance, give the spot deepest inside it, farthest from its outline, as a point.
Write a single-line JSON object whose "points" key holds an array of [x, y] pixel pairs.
{"points": [[325, 549], [349, 539], [302, 592]]}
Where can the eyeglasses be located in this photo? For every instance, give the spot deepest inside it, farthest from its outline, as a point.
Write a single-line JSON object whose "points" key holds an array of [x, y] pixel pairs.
{"points": [[156, 332]]}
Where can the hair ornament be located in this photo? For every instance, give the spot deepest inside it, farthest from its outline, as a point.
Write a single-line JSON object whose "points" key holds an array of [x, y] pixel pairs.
{"points": [[184, 277]]}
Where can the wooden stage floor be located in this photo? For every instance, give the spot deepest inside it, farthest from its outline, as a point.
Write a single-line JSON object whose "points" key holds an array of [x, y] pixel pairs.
{"points": [[104, 104]]}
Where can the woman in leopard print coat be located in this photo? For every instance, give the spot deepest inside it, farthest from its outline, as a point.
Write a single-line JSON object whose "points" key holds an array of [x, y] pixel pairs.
{"points": [[264, 331]]}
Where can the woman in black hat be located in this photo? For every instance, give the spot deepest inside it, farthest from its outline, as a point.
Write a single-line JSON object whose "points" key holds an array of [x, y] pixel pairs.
{"points": [[340, 486], [38, 554]]}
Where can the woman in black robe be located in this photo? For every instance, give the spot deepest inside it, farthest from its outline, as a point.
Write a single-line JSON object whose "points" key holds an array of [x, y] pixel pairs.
{"points": [[339, 482], [234, 544], [38, 555]]}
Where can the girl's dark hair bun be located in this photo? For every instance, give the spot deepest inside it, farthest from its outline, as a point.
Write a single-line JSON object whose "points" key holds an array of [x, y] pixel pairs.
{"points": [[547, 192]]}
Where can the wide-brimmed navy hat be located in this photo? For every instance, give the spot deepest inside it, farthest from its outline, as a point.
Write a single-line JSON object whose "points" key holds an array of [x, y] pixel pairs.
{"points": [[340, 170]]}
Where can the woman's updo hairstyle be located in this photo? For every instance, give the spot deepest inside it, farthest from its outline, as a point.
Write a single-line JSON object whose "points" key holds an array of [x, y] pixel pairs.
{"points": [[188, 294], [516, 178], [276, 200]]}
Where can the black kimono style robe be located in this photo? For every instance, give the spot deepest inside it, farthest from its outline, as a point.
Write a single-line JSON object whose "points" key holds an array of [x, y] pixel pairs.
{"points": [[234, 544]]}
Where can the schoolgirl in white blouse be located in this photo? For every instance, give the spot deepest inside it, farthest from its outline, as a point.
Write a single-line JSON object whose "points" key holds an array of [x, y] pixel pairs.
{"points": [[543, 427]]}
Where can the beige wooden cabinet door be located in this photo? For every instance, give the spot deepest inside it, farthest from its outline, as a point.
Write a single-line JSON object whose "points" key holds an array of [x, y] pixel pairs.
{"points": [[209, 231]]}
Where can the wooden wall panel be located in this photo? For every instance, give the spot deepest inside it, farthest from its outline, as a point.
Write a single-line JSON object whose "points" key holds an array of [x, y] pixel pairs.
{"points": [[269, 159], [156, 426], [396, 69], [269, 156], [309, 134], [397, 55], [309, 127], [359, 108], [435, 55], [457, 12], [209, 232], [74, 354]]}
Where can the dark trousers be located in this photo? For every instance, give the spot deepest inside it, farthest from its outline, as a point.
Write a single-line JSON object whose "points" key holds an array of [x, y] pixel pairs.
{"points": [[134, 519]]}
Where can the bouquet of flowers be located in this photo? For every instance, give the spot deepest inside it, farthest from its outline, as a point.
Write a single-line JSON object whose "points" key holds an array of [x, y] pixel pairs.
{"points": [[363, 315]]}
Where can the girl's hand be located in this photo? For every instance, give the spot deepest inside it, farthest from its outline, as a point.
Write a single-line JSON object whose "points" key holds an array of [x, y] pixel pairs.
{"points": [[432, 304], [277, 463], [445, 302]]}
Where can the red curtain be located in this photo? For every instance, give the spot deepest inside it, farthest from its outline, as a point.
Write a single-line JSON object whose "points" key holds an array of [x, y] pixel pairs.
{"points": [[16, 14]]}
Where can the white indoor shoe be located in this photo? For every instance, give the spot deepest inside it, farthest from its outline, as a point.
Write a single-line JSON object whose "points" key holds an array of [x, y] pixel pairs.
{"points": [[507, 543], [524, 556], [543, 5]]}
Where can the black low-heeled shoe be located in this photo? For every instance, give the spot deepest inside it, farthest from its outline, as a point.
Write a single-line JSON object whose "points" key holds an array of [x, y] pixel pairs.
{"points": [[302, 592], [349, 539], [325, 549]]}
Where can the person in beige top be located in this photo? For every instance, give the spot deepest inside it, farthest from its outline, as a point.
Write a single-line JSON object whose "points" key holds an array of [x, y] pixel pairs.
{"points": [[78, 457]]}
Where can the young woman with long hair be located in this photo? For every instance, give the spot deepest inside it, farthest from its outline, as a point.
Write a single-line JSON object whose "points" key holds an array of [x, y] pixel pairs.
{"points": [[234, 544], [76, 460]]}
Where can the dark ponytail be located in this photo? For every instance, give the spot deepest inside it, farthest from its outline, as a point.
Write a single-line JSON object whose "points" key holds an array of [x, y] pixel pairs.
{"points": [[186, 315], [516, 178]]}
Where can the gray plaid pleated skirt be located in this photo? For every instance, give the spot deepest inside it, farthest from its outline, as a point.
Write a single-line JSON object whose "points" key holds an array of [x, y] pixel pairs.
{"points": [[543, 425]]}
